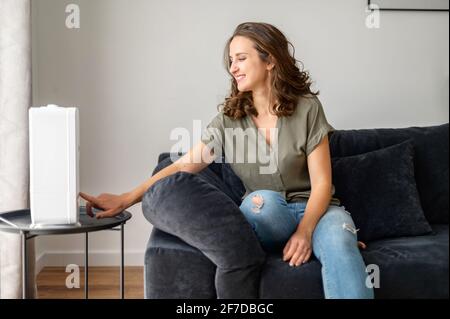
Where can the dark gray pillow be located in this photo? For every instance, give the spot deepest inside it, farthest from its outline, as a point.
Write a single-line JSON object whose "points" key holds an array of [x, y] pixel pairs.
{"points": [[191, 208], [430, 160], [379, 189]]}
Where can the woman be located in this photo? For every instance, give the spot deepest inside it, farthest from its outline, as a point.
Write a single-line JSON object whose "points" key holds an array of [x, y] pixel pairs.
{"points": [[288, 202]]}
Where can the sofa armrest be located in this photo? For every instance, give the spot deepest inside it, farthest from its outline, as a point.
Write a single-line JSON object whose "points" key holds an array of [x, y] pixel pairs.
{"points": [[189, 207]]}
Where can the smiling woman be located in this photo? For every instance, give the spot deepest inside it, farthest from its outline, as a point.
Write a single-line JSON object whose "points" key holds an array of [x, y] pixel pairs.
{"points": [[290, 207], [247, 60]]}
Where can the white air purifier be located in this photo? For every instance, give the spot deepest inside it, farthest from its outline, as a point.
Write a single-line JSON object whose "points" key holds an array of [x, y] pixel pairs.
{"points": [[54, 166]]}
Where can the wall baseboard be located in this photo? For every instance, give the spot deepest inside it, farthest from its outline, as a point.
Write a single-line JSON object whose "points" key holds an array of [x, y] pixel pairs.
{"points": [[96, 258]]}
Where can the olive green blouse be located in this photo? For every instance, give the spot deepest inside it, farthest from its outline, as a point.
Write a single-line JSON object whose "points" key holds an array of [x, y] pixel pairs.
{"points": [[282, 165]]}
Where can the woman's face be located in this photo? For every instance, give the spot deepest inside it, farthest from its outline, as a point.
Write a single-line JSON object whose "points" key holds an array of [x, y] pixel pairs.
{"points": [[247, 68]]}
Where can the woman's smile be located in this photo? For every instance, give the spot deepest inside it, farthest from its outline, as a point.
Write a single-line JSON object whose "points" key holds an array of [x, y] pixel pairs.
{"points": [[239, 77]]}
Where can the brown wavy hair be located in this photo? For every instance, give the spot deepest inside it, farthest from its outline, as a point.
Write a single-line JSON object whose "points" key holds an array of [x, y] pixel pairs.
{"points": [[288, 81]]}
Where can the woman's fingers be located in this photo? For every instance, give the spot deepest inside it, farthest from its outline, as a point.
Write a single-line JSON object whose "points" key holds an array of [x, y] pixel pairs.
{"points": [[361, 245], [286, 249], [292, 249], [108, 213], [110, 204], [89, 198], [296, 253], [297, 257], [308, 255], [303, 256], [89, 209], [91, 202]]}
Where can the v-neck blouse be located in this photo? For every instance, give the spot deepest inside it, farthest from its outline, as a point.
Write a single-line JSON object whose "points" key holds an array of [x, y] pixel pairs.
{"points": [[282, 166]]}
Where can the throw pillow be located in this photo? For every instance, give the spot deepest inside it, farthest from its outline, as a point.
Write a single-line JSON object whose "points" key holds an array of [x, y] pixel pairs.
{"points": [[430, 160], [189, 207], [379, 189]]}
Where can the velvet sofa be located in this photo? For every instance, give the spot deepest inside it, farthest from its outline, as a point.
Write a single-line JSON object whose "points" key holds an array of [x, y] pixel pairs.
{"points": [[393, 181]]}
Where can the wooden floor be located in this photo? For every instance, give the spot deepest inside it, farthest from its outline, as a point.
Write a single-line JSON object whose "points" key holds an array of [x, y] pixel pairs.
{"points": [[103, 283]]}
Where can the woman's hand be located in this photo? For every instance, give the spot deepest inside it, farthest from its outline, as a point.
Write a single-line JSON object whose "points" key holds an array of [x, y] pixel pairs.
{"points": [[298, 249], [111, 204]]}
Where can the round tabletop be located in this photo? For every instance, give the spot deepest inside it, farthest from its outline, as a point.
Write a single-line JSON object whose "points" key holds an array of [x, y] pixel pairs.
{"points": [[20, 221]]}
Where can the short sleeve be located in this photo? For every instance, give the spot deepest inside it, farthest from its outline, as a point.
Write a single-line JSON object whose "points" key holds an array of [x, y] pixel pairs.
{"points": [[318, 126], [213, 134]]}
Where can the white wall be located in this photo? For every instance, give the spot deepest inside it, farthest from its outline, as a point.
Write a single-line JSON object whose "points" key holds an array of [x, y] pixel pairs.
{"points": [[138, 69]]}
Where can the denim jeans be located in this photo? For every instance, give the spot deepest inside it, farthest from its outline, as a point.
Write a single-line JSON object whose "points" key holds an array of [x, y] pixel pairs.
{"points": [[334, 240]]}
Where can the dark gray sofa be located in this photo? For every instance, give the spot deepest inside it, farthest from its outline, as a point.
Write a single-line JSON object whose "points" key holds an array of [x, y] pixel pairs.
{"points": [[410, 266]]}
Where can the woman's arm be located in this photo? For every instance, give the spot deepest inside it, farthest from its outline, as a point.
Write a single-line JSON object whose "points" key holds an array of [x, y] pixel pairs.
{"points": [[198, 158], [193, 162], [319, 167], [298, 249]]}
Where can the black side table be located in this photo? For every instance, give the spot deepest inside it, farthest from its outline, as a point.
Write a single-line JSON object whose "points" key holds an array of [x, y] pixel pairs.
{"points": [[19, 221]]}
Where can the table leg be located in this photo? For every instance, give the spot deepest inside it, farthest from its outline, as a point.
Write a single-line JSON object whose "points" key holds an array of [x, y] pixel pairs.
{"points": [[24, 264], [122, 275], [86, 267]]}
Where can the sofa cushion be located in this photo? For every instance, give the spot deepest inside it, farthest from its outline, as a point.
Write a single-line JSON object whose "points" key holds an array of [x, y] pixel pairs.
{"points": [[281, 281], [409, 267], [165, 279], [430, 160], [378, 188], [423, 258], [190, 207]]}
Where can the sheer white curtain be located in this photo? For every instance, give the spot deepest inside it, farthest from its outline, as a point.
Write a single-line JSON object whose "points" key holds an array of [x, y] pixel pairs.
{"points": [[15, 99]]}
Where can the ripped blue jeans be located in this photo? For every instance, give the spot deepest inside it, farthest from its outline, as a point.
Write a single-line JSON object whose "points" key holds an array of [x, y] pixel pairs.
{"points": [[334, 240]]}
